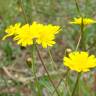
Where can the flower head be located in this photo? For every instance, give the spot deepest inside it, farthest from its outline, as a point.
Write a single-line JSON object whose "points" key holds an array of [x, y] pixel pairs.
{"points": [[35, 28], [47, 35], [85, 21], [12, 30], [26, 34], [24, 37], [80, 61]]}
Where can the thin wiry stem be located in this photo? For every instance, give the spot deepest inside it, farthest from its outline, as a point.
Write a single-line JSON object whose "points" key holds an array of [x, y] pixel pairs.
{"points": [[78, 9], [76, 84], [23, 11], [82, 26], [78, 43], [52, 61], [82, 35], [60, 81], [33, 69], [43, 64], [62, 77]]}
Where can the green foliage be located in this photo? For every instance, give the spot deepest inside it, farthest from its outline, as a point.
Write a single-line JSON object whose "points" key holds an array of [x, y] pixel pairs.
{"points": [[57, 12]]}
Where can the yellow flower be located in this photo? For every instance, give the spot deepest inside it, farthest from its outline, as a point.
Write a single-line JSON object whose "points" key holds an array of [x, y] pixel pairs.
{"points": [[86, 21], [24, 37], [26, 34], [35, 28], [80, 61], [12, 30], [45, 39], [47, 35]]}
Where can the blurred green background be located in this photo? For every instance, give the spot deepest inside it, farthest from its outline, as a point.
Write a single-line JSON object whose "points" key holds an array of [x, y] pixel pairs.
{"points": [[13, 57]]}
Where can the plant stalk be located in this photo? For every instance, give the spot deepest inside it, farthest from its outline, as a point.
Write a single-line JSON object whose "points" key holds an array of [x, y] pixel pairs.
{"points": [[43, 64], [34, 71], [76, 84], [23, 11]]}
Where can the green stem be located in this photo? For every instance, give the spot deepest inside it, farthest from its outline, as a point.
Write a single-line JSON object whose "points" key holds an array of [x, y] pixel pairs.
{"points": [[68, 82], [33, 60], [82, 35], [43, 64], [52, 61], [78, 9], [34, 71], [65, 53], [61, 80], [80, 41], [76, 84], [23, 11]]}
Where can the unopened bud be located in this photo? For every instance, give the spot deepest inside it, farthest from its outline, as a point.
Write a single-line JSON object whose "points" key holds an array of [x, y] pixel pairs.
{"points": [[29, 62], [68, 50]]}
